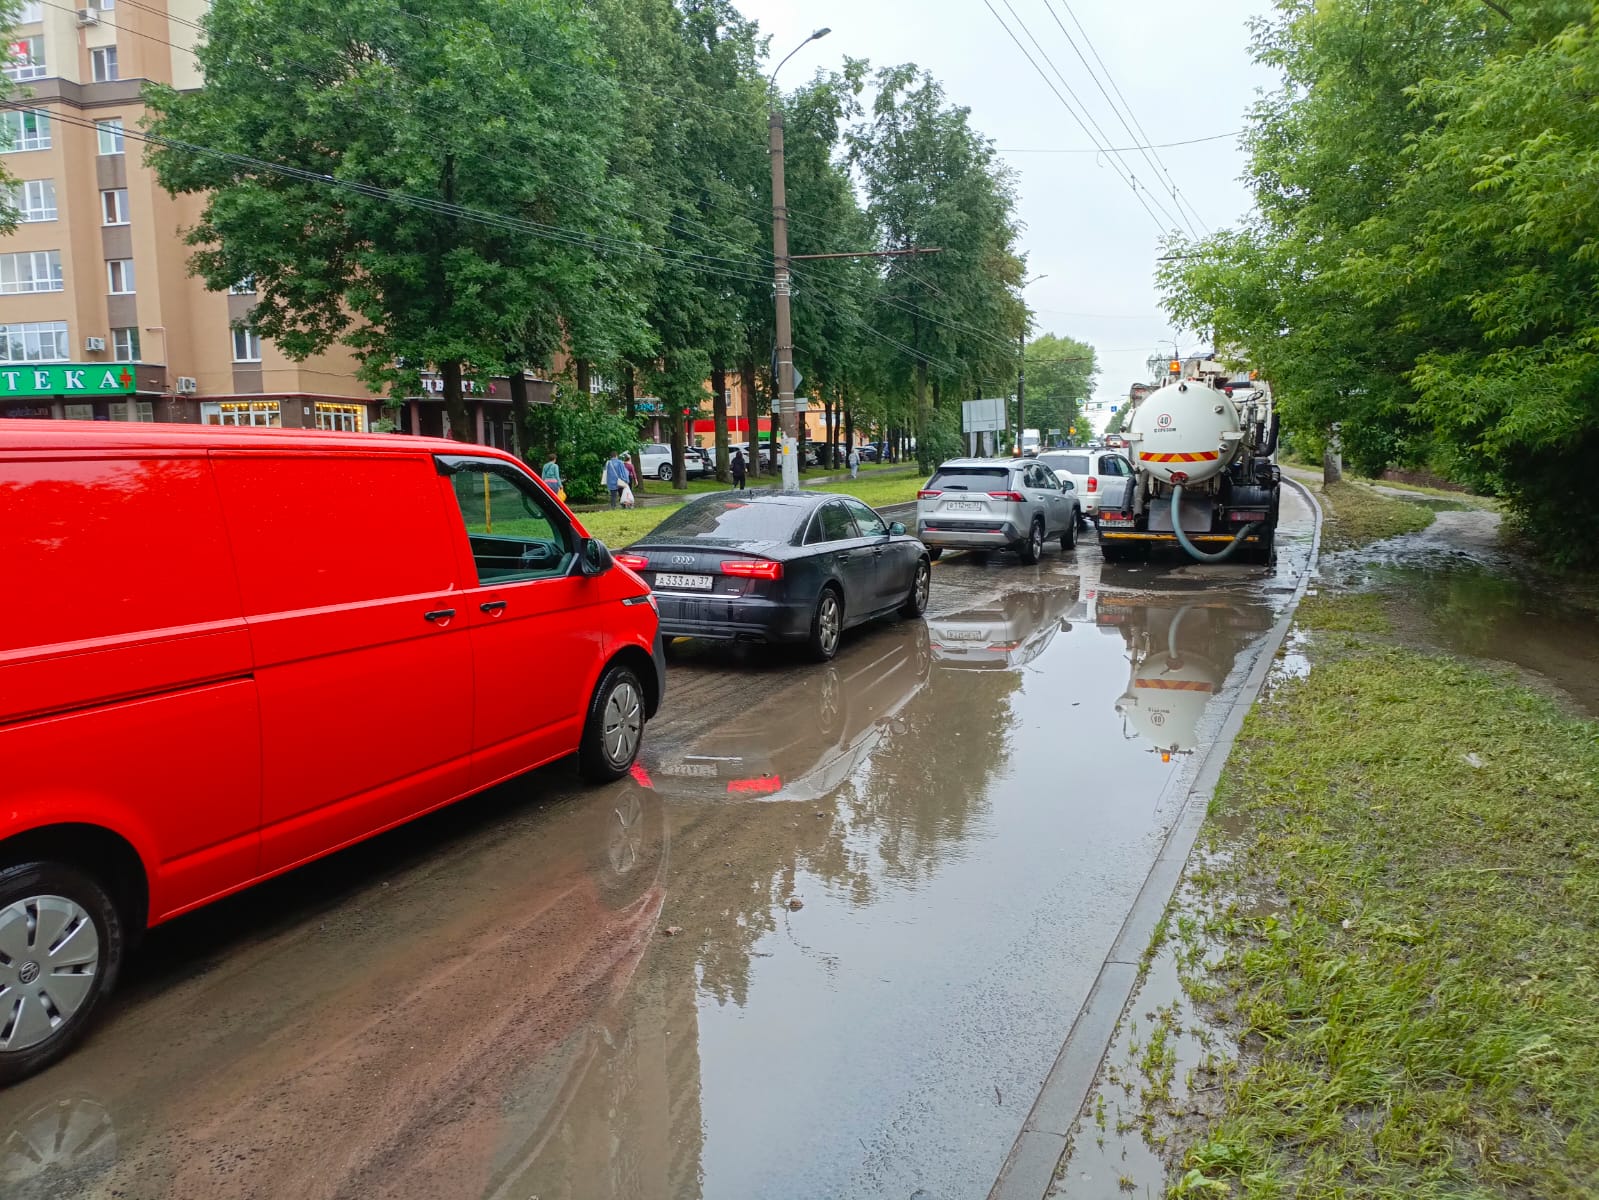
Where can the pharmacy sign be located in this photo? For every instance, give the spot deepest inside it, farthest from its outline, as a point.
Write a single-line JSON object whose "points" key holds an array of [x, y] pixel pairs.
{"points": [[66, 379]]}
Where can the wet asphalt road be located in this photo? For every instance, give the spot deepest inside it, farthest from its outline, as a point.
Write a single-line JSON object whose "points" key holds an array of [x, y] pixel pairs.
{"points": [[827, 941]]}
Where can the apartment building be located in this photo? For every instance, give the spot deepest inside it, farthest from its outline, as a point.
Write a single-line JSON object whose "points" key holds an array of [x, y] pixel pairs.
{"points": [[100, 318]]}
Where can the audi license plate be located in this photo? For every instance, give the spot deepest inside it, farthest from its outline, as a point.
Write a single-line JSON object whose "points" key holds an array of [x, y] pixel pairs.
{"points": [[693, 583], [965, 505]]}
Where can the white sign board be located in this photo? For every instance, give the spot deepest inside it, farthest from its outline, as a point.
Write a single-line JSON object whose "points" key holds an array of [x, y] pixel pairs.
{"points": [[982, 416]]}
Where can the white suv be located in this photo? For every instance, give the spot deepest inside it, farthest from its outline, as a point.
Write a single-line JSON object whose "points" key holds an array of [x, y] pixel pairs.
{"points": [[996, 504], [655, 461], [1090, 470]]}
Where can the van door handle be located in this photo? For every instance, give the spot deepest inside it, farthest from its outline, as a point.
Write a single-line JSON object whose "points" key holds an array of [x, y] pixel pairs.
{"points": [[492, 606], [439, 614]]}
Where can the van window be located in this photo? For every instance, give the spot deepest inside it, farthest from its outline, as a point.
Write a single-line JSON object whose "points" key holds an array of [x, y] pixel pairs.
{"points": [[514, 532], [315, 530], [95, 549]]}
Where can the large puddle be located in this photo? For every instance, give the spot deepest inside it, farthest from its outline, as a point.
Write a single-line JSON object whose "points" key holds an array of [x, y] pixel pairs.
{"points": [[825, 942]]}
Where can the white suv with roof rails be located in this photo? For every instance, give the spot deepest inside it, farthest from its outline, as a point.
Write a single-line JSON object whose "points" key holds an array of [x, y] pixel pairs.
{"points": [[1090, 470], [996, 504]]}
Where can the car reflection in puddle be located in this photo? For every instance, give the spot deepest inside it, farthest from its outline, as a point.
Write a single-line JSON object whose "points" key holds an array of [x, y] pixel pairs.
{"points": [[1010, 631], [441, 1026]]}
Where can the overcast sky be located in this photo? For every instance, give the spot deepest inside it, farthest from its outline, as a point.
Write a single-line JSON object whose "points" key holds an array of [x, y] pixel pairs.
{"points": [[1184, 70]]}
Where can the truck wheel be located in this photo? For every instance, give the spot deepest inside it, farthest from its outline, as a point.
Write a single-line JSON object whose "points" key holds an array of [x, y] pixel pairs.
{"points": [[1033, 548], [1068, 539], [61, 947], [614, 728]]}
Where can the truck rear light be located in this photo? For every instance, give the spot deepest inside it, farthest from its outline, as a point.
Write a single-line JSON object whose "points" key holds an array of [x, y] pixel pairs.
{"points": [[1014, 496], [753, 568], [1093, 483], [928, 493], [633, 562]]}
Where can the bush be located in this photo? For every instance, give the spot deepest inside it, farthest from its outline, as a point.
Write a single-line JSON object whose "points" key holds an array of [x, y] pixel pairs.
{"points": [[583, 430]]}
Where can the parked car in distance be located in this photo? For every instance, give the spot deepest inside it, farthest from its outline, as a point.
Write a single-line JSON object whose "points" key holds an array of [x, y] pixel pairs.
{"points": [[996, 504], [1090, 470], [779, 567], [262, 684], [765, 451], [655, 461]]}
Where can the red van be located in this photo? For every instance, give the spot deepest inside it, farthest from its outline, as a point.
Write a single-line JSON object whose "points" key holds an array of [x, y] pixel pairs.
{"points": [[230, 652]]}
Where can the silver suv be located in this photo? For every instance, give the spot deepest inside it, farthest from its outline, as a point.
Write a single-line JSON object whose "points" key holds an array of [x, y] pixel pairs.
{"points": [[997, 504]]}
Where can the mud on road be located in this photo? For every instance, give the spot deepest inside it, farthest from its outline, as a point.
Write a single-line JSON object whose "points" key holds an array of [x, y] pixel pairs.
{"points": [[825, 942]]}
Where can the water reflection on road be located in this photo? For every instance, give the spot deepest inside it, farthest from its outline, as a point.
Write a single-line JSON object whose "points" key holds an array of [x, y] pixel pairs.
{"points": [[826, 942]]}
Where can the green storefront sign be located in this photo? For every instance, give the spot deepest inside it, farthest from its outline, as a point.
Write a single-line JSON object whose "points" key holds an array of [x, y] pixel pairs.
{"points": [[66, 379]]}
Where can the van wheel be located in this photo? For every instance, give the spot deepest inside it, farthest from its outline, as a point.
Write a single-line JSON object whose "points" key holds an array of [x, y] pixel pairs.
{"points": [[61, 946], [614, 728], [1033, 548]]}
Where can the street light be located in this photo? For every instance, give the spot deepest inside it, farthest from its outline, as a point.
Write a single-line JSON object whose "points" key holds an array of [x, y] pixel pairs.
{"points": [[1021, 367], [785, 332]]}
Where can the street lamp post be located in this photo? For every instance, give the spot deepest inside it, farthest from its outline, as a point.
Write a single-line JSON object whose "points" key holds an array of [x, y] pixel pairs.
{"points": [[780, 263]]}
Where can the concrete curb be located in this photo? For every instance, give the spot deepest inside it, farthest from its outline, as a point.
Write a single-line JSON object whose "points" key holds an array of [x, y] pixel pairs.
{"points": [[1030, 1166]]}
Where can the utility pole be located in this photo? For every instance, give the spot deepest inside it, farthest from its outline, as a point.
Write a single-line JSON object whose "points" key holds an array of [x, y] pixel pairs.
{"points": [[1021, 387], [782, 279]]}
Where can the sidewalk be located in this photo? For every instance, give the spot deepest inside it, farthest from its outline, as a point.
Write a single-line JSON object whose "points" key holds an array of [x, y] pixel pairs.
{"points": [[765, 483]]}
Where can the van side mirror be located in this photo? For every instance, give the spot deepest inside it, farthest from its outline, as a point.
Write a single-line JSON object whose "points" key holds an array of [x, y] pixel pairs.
{"points": [[593, 557], [895, 528]]}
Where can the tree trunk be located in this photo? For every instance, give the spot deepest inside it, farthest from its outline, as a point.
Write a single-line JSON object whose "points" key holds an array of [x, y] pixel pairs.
{"points": [[455, 401], [519, 414], [849, 429], [630, 399], [679, 474], [580, 369], [1332, 456], [719, 415], [924, 408], [752, 417]]}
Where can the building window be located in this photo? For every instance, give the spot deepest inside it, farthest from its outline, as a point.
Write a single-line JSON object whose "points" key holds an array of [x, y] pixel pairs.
{"points": [[143, 410], [114, 206], [31, 12], [245, 287], [35, 341], [125, 344], [120, 273], [78, 412], [35, 200], [241, 412], [34, 271], [341, 418], [25, 130], [103, 64], [246, 345], [110, 133], [600, 386], [26, 58]]}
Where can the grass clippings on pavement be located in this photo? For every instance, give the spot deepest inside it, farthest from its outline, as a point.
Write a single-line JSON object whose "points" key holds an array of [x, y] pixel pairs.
{"points": [[1357, 515], [1418, 997]]}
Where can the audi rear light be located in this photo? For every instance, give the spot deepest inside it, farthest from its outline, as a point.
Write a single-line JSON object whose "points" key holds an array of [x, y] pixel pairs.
{"points": [[928, 493], [1093, 483], [1015, 496], [753, 568], [633, 562]]}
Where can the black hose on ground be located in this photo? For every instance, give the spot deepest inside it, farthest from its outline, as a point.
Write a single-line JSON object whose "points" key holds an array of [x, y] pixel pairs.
{"points": [[1194, 551]]}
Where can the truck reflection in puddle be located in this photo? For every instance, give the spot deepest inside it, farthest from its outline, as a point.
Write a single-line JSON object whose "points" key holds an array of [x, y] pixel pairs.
{"points": [[1181, 652], [421, 1039]]}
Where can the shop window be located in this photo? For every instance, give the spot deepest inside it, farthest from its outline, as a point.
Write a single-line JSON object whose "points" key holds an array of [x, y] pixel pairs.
{"points": [[259, 413]]}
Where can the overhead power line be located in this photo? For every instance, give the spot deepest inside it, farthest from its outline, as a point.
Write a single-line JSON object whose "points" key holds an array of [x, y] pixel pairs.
{"points": [[1215, 137]]}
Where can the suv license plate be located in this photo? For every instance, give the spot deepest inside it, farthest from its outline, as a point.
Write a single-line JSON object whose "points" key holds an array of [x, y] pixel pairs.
{"points": [[694, 583], [965, 506]]}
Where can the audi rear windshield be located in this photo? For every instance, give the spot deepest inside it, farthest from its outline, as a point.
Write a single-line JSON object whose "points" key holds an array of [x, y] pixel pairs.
{"points": [[1074, 464], [728, 519], [970, 479]]}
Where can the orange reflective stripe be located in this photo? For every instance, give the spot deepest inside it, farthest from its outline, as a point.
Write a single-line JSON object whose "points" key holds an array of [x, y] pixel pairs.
{"points": [[1174, 685], [1201, 456]]}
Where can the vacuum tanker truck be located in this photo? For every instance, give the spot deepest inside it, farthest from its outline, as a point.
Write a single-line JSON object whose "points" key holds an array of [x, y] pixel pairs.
{"points": [[1205, 476]]}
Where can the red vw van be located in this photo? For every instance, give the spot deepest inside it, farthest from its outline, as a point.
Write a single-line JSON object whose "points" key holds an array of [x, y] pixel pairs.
{"points": [[230, 652]]}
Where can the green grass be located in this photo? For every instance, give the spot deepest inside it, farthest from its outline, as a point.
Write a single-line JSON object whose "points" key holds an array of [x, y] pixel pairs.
{"points": [[1417, 999], [896, 489], [1357, 515], [618, 527]]}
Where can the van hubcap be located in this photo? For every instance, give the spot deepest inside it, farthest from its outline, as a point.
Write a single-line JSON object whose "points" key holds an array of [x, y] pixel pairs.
{"points": [[624, 723], [49, 953]]}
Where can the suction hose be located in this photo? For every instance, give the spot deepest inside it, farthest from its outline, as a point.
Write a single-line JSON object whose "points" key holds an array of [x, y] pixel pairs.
{"points": [[1194, 552]]}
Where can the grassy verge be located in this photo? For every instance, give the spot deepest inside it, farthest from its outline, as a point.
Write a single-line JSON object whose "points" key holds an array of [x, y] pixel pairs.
{"points": [[1415, 996], [1357, 515]]}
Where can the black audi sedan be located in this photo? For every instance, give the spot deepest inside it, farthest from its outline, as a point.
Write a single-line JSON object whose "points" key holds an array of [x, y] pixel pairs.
{"points": [[779, 567]]}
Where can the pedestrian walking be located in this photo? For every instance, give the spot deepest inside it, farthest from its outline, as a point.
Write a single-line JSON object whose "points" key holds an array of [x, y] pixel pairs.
{"points": [[551, 471], [616, 476], [740, 469], [854, 462]]}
